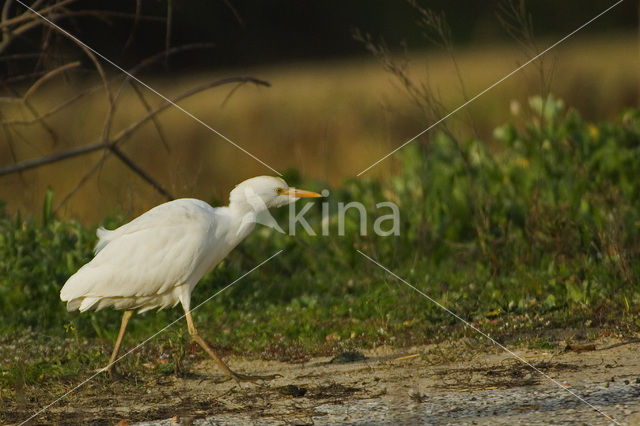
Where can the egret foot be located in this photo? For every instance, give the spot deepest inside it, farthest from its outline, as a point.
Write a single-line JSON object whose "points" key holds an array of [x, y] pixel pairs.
{"points": [[231, 375], [106, 369]]}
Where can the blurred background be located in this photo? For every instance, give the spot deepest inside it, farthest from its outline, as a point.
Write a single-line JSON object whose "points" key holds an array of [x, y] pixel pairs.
{"points": [[338, 98]]}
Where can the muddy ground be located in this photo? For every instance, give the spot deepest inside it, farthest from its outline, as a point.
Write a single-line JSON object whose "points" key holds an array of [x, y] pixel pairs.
{"points": [[438, 384]]}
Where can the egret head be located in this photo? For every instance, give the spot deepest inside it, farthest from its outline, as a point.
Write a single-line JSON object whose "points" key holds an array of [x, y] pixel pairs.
{"points": [[263, 192]]}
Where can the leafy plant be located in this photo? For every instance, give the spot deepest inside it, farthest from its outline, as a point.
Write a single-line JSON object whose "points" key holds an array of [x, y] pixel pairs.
{"points": [[555, 247]]}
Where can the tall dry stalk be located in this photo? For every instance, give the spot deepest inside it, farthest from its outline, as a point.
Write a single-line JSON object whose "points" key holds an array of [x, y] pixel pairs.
{"points": [[437, 31], [18, 23]]}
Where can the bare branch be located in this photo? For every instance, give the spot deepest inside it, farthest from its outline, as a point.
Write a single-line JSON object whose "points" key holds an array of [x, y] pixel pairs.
{"points": [[28, 15], [146, 62], [19, 78], [103, 14], [11, 34], [157, 56], [48, 76], [131, 129], [29, 164], [53, 158], [155, 120], [31, 21], [26, 140], [34, 112], [87, 52], [4, 17], [231, 92], [17, 56], [101, 73], [235, 12], [136, 169], [136, 20], [57, 10], [38, 118], [167, 39], [5, 11], [54, 110], [80, 184]]}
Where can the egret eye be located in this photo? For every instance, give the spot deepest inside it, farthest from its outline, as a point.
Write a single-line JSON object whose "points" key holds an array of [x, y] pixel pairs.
{"points": [[279, 191]]}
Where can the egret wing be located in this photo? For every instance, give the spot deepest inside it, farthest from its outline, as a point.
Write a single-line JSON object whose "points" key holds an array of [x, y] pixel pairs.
{"points": [[148, 256]]}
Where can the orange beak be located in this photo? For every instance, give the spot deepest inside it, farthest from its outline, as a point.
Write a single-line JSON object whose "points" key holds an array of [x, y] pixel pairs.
{"points": [[301, 193]]}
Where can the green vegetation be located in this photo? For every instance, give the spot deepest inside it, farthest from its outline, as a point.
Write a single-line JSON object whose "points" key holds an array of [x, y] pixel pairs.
{"points": [[536, 230]]}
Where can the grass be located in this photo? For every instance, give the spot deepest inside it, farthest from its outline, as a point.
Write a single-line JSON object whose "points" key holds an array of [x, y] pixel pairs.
{"points": [[539, 233]]}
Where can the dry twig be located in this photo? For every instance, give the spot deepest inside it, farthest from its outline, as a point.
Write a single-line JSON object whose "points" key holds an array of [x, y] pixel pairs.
{"points": [[21, 23]]}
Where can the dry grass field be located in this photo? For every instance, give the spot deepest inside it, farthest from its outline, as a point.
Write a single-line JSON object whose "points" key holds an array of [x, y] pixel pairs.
{"points": [[328, 120]]}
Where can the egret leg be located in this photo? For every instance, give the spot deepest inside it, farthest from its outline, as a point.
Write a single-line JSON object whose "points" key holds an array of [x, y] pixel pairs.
{"points": [[126, 316], [238, 377]]}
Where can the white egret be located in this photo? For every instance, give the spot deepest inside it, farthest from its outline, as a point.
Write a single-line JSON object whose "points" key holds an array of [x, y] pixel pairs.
{"points": [[157, 259]]}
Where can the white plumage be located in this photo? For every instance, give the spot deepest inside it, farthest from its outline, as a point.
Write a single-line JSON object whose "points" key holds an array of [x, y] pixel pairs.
{"points": [[157, 259], [147, 262]]}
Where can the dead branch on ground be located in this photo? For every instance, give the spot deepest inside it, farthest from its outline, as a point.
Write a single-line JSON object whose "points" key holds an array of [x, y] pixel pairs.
{"points": [[17, 22]]}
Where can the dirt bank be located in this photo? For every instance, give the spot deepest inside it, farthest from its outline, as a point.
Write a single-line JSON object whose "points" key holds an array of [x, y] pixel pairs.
{"points": [[450, 383]]}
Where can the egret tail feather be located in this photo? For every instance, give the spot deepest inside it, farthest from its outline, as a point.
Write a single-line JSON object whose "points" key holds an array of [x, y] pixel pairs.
{"points": [[103, 239]]}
